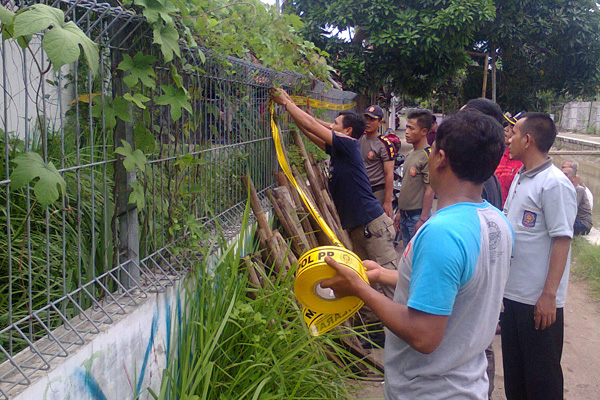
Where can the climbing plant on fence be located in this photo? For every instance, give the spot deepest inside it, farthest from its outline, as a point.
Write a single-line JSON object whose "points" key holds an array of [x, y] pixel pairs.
{"points": [[152, 139]]}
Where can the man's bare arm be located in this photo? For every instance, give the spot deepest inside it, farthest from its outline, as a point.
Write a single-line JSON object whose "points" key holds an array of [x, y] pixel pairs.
{"points": [[313, 138], [422, 331], [426, 206], [303, 120], [388, 172], [544, 311]]}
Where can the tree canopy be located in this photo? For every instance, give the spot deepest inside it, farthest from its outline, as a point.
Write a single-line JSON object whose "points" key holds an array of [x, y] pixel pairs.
{"points": [[550, 45], [416, 46], [406, 45]]}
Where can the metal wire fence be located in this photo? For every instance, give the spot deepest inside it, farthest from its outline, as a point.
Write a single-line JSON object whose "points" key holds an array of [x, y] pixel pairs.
{"points": [[71, 267]]}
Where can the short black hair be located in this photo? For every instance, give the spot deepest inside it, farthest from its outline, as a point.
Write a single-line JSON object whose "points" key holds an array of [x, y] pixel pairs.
{"points": [[424, 118], [473, 143], [354, 121], [487, 107], [541, 127]]}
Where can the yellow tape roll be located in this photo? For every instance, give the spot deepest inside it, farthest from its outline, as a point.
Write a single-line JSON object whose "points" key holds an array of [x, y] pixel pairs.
{"points": [[312, 270]]}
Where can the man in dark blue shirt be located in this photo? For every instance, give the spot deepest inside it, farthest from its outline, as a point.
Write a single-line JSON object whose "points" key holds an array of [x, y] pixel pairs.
{"points": [[371, 230]]}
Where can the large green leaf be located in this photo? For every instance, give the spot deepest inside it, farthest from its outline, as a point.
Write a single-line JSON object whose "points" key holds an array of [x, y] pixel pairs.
{"points": [[37, 18], [167, 37], [139, 68], [154, 10], [31, 166], [137, 98], [6, 16], [176, 98], [62, 46], [111, 109], [137, 196], [61, 40], [7, 19], [132, 158]]}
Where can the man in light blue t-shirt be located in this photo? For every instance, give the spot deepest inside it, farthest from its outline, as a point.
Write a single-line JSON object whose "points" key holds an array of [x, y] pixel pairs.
{"points": [[451, 277]]}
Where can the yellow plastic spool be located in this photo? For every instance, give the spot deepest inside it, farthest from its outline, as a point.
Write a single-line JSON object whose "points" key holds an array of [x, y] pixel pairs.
{"points": [[312, 270]]}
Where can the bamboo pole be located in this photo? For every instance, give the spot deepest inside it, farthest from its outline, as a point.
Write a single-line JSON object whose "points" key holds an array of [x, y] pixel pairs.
{"points": [[301, 210], [288, 226], [260, 215], [282, 197]]}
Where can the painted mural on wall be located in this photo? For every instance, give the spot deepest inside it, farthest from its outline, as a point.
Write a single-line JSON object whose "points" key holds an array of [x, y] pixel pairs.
{"points": [[121, 362]]}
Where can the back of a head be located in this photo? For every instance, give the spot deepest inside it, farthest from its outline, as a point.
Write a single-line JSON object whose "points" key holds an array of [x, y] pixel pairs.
{"points": [[424, 118], [473, 143], [487, 107], [541, 127], [354, 121]]}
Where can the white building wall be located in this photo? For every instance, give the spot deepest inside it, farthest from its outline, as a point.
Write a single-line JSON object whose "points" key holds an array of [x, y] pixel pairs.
{"points": [[21, 82]]}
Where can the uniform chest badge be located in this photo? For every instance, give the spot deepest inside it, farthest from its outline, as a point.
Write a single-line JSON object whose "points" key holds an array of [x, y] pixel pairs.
{"points": [[529, 218], [371, 155], [412, 171]]}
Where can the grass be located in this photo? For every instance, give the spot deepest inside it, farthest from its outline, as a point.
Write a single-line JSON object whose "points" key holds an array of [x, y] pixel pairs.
{"points": [[586, 263], [234, 341]]}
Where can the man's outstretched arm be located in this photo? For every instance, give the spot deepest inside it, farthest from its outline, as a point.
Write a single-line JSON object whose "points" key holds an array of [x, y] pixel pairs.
{"points": [[422, 331], [305, 121]]}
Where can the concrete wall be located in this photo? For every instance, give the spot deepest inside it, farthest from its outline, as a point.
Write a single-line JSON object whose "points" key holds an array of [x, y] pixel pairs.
{"points": [[580, 117], [119, 363], [21, 78], [568, 143]]}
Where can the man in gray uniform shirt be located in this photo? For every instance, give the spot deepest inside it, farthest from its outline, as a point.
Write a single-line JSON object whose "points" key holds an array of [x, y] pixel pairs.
{"points": [[541, 208]]}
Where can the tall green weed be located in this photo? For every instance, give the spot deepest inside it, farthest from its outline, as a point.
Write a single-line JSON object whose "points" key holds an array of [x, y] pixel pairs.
{"points": [[228, 345], [586, 265]]}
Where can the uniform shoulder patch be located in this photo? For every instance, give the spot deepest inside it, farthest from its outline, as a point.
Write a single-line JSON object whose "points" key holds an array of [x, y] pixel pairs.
{"points": [[389, 146]]}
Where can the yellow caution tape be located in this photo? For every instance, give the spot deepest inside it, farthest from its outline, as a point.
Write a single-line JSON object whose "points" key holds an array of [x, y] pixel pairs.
{"points": [[321, 310], [303, 101]]}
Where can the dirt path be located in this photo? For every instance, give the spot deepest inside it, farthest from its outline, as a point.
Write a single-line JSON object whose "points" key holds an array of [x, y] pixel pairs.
{"points": [[581, 354]]}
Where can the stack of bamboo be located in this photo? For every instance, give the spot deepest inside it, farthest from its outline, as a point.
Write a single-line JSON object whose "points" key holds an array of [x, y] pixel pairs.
{"points": [[300, 231], [298, 225]]}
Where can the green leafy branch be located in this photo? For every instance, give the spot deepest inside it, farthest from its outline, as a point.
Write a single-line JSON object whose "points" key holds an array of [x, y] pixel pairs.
{"points": [[134, 161]]}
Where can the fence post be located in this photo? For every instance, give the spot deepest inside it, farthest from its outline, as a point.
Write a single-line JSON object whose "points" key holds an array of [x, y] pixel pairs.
{"points": [[128, 244]]}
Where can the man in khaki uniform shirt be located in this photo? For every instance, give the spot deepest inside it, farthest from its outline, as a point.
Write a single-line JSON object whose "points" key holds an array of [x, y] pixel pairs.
{"points": [[416, 196]]}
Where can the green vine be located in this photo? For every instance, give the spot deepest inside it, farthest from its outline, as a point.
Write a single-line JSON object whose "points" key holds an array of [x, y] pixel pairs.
{"points": [[247, 29]]}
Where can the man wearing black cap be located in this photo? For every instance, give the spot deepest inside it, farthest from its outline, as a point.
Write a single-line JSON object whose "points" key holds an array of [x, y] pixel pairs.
{"points": [[377, 157]]}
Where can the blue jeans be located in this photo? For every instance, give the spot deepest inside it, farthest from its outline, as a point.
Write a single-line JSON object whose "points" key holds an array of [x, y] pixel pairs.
{"points": [[407, 225]]}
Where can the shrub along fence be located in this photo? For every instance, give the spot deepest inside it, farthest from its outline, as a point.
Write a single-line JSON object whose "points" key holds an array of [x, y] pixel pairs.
{"points": [[107, 173]]}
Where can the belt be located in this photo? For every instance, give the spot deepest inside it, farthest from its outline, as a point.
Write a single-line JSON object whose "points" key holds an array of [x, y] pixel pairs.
{"points": [[410, 213], [377, 188]]}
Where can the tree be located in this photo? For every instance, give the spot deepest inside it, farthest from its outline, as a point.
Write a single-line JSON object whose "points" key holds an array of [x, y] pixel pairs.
{"points": [[543, 46], [406, 46]]}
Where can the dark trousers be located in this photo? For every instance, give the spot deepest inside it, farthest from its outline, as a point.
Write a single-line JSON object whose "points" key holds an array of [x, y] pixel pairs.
{"points": [[531, 357]]}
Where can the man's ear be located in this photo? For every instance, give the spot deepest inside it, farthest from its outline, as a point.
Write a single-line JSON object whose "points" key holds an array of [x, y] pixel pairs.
{"points": [[439, 159], [530, 140]]}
